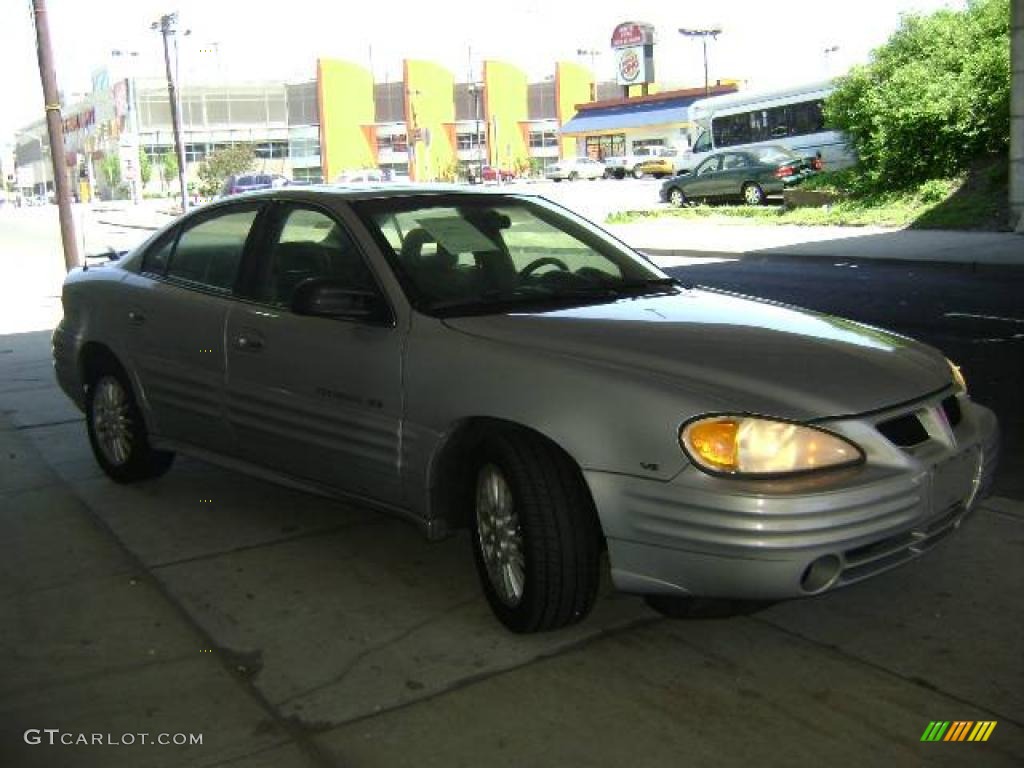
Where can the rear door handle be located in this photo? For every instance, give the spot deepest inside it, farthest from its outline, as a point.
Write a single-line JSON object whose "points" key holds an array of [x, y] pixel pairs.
{"points": [[135, 317]]}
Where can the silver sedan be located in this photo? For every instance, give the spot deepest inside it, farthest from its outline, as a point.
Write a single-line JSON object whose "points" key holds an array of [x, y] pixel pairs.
{"points": [[573, 168], [489, 361]]}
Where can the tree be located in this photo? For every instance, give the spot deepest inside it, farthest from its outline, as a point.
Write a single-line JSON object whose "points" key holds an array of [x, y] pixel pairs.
{"points": [[145, 168], [214, 171], [169, 165], [111, 169], [932, 99]]}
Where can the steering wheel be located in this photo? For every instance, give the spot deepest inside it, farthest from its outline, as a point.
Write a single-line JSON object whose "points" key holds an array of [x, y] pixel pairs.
{"points": [[543, 261]]}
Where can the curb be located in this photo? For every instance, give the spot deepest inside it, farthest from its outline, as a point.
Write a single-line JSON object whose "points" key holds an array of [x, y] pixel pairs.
{"points": [[973, 266]]}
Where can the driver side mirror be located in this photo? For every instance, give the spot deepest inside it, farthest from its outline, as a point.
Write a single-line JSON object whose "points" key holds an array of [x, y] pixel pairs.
{"points": [[328, 297]]}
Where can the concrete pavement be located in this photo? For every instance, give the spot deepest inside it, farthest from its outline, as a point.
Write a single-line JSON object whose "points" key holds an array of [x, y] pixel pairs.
{"points": [[292, 630]]}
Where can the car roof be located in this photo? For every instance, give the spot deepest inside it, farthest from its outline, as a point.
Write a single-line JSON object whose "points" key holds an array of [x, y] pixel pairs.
{"points": [[364, 191]]}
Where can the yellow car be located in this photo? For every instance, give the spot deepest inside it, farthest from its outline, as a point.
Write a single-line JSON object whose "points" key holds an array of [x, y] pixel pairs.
{"points": [[658, 167]]}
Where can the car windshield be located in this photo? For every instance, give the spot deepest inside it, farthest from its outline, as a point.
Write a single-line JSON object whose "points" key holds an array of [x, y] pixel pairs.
{"points": [[775, 155], [460, 255]]}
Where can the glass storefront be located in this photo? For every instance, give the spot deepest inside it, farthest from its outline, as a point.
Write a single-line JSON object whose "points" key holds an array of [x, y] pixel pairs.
{"points": [[600, 147]]}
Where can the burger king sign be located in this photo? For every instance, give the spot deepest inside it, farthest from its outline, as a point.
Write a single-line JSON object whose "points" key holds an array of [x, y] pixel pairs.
{"points": [[631, 65]]}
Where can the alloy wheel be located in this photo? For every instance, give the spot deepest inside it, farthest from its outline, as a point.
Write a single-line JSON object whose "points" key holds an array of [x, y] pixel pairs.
{"points": [[500, 535], [111, 421]]}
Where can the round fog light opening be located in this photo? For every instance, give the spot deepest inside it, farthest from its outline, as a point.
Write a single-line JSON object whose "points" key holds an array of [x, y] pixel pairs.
{"points": [[820, 574]]}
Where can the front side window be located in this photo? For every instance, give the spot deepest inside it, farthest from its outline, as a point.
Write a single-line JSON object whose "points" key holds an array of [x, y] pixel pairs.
{"points": [[473, 255], [311, 244], [710, 165], [208, 253]]}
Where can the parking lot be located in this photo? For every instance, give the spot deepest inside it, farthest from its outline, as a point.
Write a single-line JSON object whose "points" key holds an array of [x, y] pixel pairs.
{"points": [[294, 630]]}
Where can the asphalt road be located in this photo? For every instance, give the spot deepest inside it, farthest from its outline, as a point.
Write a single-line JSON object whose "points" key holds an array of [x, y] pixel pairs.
{"points": [[975, 318]]}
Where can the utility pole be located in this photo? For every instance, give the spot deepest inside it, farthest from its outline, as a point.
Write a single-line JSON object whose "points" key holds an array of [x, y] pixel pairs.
{"points": [[704, 34], [55, 126], [166, 26]]}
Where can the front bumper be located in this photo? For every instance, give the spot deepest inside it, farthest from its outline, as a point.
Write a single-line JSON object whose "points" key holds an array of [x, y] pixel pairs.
{"points": [[729, 538], [65, 365]]}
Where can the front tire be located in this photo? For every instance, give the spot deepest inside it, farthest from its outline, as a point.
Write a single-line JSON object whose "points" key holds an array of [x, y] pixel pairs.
{"points": [[676, 198], [117, 432], [753, 194], [536, 540]]}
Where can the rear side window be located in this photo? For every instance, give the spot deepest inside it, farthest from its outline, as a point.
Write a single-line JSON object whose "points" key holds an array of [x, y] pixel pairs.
{"points": [[209, 253]]}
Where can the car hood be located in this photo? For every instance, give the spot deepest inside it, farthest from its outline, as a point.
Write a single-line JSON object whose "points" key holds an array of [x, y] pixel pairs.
{"points": [[733, 353]]}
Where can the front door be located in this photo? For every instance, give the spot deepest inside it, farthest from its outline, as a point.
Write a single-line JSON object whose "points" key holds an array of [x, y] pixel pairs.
{"points": [[312, 397], [705, 178]]}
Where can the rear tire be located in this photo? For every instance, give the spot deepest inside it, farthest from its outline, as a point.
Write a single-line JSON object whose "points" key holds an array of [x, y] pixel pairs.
{"points": [[753, 194], [536, 539], [117, 432]]}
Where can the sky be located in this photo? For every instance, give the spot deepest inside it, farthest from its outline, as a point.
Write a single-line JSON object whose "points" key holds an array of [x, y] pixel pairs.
{"points": [[766, 44]]}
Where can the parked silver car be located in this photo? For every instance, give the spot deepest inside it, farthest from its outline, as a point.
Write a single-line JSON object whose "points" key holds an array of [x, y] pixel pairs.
{"points": [[572, 168], [491, 361]]}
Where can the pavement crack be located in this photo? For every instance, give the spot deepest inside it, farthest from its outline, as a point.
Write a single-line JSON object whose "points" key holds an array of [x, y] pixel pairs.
{"points": [[43, 424], [914, 680], [272, 542], [480, 677], [366, 652]]}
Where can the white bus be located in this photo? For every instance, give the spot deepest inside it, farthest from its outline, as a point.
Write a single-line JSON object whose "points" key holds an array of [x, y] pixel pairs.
{"points": [[791, 118]]}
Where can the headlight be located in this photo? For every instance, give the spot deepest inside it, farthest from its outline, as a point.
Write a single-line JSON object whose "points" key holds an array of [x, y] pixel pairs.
{"points": [[958, 378], [750, 445]]}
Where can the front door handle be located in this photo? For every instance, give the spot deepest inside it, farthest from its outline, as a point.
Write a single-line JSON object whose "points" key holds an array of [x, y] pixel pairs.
{"points": [[135, 317], [249, 341]]}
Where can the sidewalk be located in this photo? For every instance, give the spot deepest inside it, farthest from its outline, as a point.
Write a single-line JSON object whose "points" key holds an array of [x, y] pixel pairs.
{"points": [[665, 238], [669, 238]]}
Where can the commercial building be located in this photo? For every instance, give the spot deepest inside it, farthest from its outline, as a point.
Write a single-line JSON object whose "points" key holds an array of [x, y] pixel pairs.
{"points": [[426, 125], [620, 125]]}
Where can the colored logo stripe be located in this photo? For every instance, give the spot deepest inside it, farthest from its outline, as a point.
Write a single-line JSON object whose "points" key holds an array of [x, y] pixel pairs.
{"points": [[982, 731], [958, 730]]}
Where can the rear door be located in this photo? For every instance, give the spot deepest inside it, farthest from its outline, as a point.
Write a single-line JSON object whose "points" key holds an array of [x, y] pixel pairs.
{"points": [[176, 324], [312, 397], [735, 171]]}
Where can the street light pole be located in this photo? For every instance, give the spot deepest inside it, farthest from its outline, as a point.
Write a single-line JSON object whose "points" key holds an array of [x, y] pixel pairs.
{"points": [[476, 89], [704, 34], [54, 124], [166, 25], [831, 49], [593, 72]]}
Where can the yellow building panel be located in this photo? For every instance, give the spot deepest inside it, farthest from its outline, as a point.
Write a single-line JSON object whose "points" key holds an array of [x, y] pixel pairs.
{"points": [[506, 109], [345, 98], [572, 86], [429, 113]]}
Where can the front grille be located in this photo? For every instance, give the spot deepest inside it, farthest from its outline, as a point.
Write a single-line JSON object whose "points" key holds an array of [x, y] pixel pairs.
{"points": [[861, 562], [905, 431]]}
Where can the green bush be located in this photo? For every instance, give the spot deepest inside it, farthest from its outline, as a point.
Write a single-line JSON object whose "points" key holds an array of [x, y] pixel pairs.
{"points": [[932, 99]]}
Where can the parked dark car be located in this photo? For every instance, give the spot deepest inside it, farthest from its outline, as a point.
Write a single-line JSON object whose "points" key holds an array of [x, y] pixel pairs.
{"points": [[249, 182], [750, 175]]}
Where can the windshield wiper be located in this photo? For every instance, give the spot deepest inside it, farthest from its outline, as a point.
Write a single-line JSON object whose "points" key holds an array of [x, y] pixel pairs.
{"points": [[502, 302], [653, 282]]}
